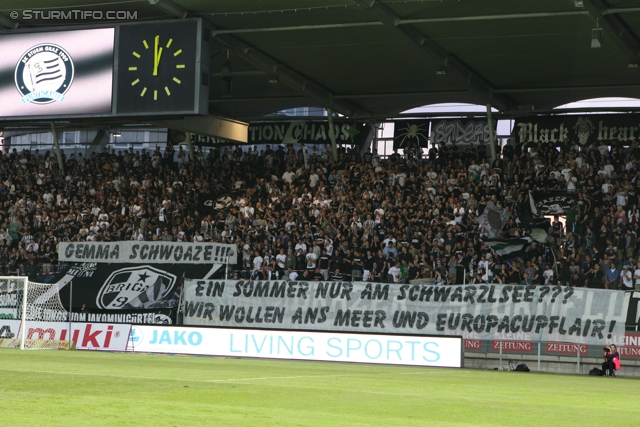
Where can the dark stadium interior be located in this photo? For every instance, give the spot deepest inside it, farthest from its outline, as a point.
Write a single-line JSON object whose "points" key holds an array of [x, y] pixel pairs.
{"points": [[378, 58]]}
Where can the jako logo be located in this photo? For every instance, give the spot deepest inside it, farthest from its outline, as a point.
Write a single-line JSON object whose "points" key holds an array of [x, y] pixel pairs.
{"points": [[134, 288], [44, 74], [136, 336], [177, 338]]}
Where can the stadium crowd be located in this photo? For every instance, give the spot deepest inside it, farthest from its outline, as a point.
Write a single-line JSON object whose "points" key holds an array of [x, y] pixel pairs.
{"points": [[406, 217]]}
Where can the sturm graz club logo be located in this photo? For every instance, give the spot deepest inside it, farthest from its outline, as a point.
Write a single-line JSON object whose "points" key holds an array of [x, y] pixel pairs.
{"points": [[44, 74], [137, 287]]}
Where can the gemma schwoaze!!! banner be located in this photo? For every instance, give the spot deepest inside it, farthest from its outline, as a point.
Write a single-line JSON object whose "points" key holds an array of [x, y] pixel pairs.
{"points": [[132, 252], [485, 312]]}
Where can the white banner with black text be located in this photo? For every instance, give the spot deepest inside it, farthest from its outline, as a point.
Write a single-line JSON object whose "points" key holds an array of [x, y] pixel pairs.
{"points": [[134, 252], [482, 311]]}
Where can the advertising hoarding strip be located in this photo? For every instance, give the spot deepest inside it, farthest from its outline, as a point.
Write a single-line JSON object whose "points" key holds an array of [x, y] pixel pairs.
{"points": [[86, 336], [300, 345]]}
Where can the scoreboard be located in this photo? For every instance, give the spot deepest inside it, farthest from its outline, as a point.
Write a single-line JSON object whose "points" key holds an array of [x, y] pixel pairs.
{"points": [[132, 69]]}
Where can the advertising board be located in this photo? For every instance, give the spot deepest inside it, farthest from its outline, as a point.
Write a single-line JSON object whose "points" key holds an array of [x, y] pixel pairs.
{"points": [[300, 345], [87, 336]]}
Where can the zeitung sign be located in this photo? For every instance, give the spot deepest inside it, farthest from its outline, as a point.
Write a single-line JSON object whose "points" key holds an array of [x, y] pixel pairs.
{"points": [[484, 311], [585, 130]]}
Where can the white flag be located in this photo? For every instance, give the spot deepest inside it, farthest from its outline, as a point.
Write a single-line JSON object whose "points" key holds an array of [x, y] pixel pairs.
{"points": [[493, 220]]}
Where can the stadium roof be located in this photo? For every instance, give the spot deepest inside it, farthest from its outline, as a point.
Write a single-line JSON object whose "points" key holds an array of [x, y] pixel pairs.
{"points": [[378, 58]]}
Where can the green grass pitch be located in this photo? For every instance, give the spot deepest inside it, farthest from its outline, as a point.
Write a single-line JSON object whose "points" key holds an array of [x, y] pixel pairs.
{"points": [[76, 388]]}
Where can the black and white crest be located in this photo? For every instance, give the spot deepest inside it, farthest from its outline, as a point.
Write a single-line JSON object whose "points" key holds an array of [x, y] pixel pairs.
{"points": [[136, 287]]}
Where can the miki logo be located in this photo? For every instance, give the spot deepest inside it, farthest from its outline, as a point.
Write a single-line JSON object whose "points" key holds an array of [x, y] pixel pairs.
{"points": [[91, 335]]}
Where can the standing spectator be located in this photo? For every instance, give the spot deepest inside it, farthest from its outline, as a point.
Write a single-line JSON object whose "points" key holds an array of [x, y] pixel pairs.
{"points": [[626, 278], [548, 275], [395, 273], [612, 277]]}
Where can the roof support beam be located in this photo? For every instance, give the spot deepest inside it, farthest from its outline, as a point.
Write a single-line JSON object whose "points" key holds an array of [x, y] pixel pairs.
{"points": [[493, 17], [611, 10], [413, 21], [289, 77], [615, 27], [567, 88], [476, 84], [298, 28], [171, 8], [252, 99], [437, 93], [263, 62]]}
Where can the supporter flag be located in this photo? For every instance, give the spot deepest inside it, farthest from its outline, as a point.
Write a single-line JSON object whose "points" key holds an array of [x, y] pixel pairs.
{"points": [[539, 235], [530, 220], [414, 132], [216, 202], [552, 202], [532, 204], [507, 247], [493, 220]]}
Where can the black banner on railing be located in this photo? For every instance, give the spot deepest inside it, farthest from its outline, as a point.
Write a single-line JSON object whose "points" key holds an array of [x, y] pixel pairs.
{"points": [[124, 293], [298, 132], [410, 133], [585, 130]]}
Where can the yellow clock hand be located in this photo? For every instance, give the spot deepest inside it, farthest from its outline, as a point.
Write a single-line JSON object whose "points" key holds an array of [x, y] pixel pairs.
{"points": [[157, 55]]}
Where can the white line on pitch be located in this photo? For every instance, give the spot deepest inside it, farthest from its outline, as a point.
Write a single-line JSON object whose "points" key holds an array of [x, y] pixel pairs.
{"points": [[204, 381]]}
